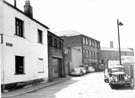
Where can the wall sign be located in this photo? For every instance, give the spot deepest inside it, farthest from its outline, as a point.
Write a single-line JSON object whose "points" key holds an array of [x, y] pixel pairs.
{"points": [[9, 44]]}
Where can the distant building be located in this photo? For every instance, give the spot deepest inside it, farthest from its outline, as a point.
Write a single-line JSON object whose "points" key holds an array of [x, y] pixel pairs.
{"points": [[87, 47], [113, 53]]}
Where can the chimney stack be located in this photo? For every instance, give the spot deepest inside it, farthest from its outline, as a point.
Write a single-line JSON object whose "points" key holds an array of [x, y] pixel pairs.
{"points": [[111, 44], [28, 9]]}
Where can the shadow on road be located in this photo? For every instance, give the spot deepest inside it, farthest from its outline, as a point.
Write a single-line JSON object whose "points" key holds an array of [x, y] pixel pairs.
{"points": [[51, 91], [120, 87]]}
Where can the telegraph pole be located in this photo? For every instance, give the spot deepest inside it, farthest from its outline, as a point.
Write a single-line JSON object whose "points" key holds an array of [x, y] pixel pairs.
{"points": [[119, 24]]}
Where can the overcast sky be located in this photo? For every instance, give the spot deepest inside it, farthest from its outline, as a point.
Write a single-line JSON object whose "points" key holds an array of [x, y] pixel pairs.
{"points": [[94, 18]]}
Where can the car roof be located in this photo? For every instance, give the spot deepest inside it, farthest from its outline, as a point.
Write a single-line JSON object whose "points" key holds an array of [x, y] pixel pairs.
{"points": [[116, 66]]}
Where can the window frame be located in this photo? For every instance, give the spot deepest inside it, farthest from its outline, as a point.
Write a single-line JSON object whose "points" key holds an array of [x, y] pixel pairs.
{"points": [[19, 27], [60, 45], [40, 36], [16, 65], [55, 42], [50, 40]]}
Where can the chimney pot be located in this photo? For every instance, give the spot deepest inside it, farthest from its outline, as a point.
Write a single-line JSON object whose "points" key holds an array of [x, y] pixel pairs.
{"points": [[28, 9], [15, 3]]}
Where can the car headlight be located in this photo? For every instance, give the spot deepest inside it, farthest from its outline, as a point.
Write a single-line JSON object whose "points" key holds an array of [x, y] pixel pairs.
{"points": [[127, 78], [114, 78]]}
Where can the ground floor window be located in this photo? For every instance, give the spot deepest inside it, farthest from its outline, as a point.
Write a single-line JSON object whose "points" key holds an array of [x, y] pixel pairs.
{"points": [[19, 65]]}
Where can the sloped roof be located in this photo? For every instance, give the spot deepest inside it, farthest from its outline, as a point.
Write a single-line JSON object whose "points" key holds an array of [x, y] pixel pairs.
{"points": [[68, 33], [116, 49], [25, 15]]}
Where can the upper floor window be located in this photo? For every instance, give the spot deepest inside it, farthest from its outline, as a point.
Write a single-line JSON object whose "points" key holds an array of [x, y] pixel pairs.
{"points": [[60, 45], [19, 27], [84, 41], [98, 45], [55, 43], [95, 44], [92, 43], [50, 40], [89, 42], [40, 36]]}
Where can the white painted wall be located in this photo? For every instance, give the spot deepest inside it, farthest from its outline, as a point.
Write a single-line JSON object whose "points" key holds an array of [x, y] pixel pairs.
{"points": [[27, 47], [76, 53], [1, 17], [1, 45]]}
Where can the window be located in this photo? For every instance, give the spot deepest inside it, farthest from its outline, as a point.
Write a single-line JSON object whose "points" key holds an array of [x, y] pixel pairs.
{"points": [[50, 40], [95, 44], [87, 41], [40, 65], [87, 53], [19, 65], [19, 27], [60, 45], [55, 43], [84, 53], [94, 55], [90, 42], [91, 54], [98, 45], [40, 36], [84, 41]]}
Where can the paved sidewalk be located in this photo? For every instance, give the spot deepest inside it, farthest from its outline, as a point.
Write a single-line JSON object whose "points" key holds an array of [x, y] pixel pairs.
{"points": [[32, 88]]}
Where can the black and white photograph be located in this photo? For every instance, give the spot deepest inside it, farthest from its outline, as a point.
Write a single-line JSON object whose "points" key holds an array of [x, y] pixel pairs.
{"points": [[67, 48]]}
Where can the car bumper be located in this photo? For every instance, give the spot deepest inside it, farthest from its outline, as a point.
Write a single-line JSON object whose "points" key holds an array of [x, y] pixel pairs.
{"points": [[121, 82]]}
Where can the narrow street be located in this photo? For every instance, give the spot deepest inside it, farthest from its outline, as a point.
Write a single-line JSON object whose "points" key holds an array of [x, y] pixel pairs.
{"points": [[87, 86]]}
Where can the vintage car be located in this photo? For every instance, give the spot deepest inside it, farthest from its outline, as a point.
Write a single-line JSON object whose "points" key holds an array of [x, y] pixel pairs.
{"points": [[78, 71], [91, 69], [116, 75]]}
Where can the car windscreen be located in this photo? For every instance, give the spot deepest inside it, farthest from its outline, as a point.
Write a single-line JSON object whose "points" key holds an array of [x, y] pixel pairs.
{"points": [[118, 70]]}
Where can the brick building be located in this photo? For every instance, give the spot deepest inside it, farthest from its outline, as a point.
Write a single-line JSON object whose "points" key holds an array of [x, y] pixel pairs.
{"points": [[89, 48], [113, 53]]}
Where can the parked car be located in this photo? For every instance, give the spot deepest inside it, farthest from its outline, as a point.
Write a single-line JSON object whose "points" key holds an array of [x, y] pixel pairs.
{"points": [[78, 71], [91, 69], [85, 67], [83, 70]]}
